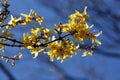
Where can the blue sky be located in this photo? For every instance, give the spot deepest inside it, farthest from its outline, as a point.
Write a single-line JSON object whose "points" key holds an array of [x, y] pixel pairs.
{"points": [[98, 67]]}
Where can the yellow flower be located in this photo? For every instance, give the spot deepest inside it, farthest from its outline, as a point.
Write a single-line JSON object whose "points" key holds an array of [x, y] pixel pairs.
{"points": [[33, 42], [78, 24], [39, 19], [36, 51], [19, 56], [61, 50], [32, 16], [52, 53], [28, 19], [6, 34], [86, 53], [2, 46], [13, 22], [27, 41], [1, 21], [36, 30], [30, 42], [6, 1], [47, 33]]}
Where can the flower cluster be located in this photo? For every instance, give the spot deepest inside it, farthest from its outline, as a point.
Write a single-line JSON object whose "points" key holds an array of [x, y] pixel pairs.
{"points": [[61, 50], [33, 41], [32, 16], [65, 42], [79, 29], [78, 25]]}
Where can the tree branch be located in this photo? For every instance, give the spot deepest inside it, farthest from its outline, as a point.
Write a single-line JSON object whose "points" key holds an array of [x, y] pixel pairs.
{"points": [[6, 71]]}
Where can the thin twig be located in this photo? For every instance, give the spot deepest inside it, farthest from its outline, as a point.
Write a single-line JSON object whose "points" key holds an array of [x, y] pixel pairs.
{"points": [[13, 40], [12, 45], [8, 57]]}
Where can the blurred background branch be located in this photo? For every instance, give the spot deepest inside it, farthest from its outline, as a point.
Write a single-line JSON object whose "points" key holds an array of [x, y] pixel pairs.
{"points": [[6, 71], [105, 15]]}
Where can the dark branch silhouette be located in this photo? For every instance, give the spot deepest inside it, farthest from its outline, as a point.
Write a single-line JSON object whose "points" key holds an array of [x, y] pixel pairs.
{"points": [[7, 72]]}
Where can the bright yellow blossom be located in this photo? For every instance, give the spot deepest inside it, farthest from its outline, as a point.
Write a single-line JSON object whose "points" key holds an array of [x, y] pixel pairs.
{"points": [[13, 22], [47, 34], [32, 16], [36, 51], [33, 42], [61, 50], [30, 42], [28, 18], [36, 31], [78, 24], [38, 18], [39, 38]]}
